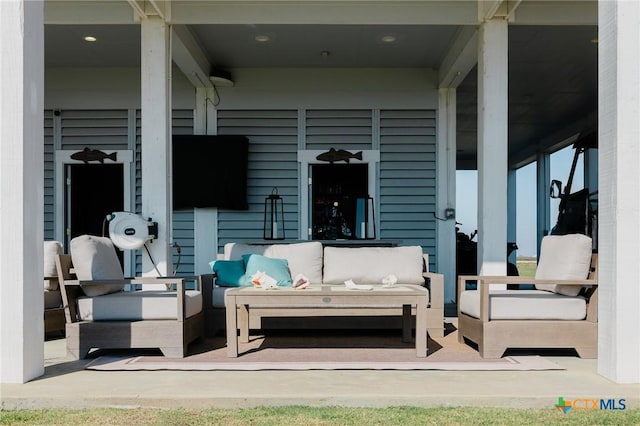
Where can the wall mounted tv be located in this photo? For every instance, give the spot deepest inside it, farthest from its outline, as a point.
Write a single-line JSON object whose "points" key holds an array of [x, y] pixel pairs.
{"points": [[210, 171]]}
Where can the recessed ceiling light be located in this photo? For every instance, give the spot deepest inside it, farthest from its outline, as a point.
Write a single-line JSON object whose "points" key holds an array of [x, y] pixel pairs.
{"points": [[89, 38], [262, 38], [388, 38]]}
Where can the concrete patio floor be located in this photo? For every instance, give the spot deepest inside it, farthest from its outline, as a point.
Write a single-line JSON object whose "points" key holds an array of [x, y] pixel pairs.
{"points": [[66, 384]]}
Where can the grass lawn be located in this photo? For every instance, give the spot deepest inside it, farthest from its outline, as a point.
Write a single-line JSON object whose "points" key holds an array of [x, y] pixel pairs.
{"points": [[295, 415], [526, 268]]}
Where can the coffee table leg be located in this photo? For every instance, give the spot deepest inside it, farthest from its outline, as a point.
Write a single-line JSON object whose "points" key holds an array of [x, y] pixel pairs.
{"points": [[243, 323], [406, 323], [421, 329], [232, 326]]}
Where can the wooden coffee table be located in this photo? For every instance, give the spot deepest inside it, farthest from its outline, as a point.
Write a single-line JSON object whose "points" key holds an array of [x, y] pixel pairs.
{"points": [[326, 296]]}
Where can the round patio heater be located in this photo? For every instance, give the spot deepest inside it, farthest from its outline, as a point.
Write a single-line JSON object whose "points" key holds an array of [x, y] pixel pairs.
{"points": [[273, 224]]}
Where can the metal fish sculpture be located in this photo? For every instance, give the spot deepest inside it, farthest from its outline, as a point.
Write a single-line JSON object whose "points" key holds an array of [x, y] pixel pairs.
{"points": [[334, 155], [88, 155]]}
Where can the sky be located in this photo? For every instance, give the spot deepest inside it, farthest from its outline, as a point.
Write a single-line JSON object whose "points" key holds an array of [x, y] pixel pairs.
{"points": [[526, 217]]}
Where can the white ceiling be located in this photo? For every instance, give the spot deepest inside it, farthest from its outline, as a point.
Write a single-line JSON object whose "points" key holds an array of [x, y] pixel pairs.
{"points": [[552, 69]]}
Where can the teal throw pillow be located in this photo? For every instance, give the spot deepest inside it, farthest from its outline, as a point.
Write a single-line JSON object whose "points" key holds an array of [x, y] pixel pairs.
{"points": [[229, 273], [277, 269]]}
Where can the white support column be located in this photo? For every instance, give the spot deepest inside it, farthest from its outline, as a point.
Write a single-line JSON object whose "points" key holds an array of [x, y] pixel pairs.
{"points": [[156, 140], [22, 188], [446, 190], [492, 146], [619, 200], [512, 221], [543, 201], [205, 220]]}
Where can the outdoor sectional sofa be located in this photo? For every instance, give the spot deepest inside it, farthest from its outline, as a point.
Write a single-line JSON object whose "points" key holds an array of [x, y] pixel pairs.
{"points": [[333, 265]]}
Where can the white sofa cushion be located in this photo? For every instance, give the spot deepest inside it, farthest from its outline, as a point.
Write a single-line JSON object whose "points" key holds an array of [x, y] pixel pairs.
{"points": [[564, 257], [525, 305], [234, 251], [51, 250], [94, 258], [218, 296], [371, 264], [303, 258], [138, 305]]}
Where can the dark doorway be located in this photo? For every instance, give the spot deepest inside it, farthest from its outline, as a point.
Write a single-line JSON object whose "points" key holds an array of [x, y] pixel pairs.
{"points": [[338, 196], [92, 192]]}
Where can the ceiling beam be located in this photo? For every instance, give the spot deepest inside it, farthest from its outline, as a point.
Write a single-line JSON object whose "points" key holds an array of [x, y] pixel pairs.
{"points": [[142, 9], [189, 57], [161, 11], [489, 9], [389, 12], [137, 8], [461, 58]]}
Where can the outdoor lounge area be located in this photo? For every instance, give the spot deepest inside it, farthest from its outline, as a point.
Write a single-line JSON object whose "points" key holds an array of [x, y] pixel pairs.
{"points": [[282, 181]]}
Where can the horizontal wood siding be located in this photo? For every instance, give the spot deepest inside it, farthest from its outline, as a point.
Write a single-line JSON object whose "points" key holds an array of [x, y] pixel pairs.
{"points": [[273, 144], [49, 173], [99, 129], [408, 178], [340, 129]]}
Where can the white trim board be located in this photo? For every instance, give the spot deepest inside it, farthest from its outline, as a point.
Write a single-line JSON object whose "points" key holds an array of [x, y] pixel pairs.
{"points": [[308, 157], [61, 159]]}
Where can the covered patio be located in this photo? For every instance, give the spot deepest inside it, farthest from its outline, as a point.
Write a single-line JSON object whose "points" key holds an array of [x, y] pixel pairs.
{"points": [[422, 88]]}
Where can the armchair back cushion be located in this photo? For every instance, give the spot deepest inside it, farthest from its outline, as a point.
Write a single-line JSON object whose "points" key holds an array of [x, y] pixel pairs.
{"points": [[94, 258], [370, 265], [564, 257], [51, 250]]}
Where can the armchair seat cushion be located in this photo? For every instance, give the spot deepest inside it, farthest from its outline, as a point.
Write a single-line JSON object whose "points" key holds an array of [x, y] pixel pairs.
{"points": [[525, 305], [138, 305]]}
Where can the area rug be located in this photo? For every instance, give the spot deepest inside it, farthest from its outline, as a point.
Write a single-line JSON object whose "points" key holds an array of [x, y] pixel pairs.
{"points": [[322, 351]]}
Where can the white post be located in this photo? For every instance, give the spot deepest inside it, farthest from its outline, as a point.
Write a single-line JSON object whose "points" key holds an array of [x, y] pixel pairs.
{"points": [[22, 189], [205, 220], [446, 169], [492, 146], [156, 140], [543, 201], [512, 217], [619, 193]]}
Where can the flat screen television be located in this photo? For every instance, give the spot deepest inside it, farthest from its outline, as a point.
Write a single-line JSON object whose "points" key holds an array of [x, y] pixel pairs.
{"points": [[210, 171]]}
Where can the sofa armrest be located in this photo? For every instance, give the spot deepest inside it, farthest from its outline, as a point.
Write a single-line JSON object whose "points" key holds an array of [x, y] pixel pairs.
{"points": [[436, 289], [207, 281]]}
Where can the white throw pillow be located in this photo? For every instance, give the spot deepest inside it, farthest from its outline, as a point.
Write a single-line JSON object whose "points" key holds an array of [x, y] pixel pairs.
{"points": [[51, 250], [564, 257], [370, 265], [95, 258], [303, 258]]}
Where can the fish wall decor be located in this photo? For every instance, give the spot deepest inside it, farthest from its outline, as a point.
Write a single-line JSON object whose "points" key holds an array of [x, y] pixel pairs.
{"points": [[334, 155], [87, 155]]}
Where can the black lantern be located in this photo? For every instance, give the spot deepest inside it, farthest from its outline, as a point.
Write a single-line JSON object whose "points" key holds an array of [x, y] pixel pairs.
{"points": [[273, 216]]}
